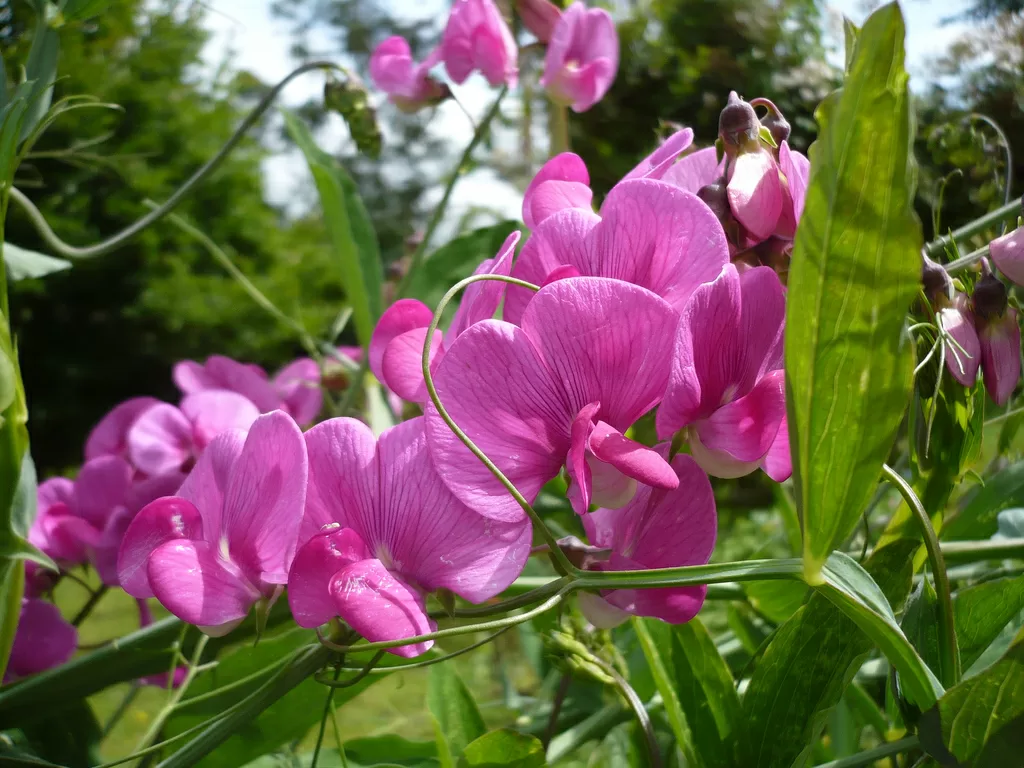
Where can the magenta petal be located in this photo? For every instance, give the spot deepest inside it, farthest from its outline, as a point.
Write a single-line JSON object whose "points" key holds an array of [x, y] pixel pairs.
{"points": [[150, 489], [778, 464], [755, 193], [657, 164], [797, 170], [402, 316], [215, 411], [553, 196], [265, 499], [958, 322], [675, 605], [110, 436], [599, 612], [63, 535], [314, 566], [381, 606], [194, 583], [567, 169], [696, 170], [207, 483], [1000, 356], [495, 387], [191, 377], [164, 520], [746, 428], [1008, 254], [56, 490], [658, 237], [576, 464], [402, 364], [631, 458], [604, 341], [480, 300], [105, 553], [298, 385], [160, 440], [248, 380], [763, 324], [43, 639], [428, 535], [101, 487]]}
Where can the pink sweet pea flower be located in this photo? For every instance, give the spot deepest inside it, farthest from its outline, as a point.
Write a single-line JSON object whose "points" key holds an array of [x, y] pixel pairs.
{"points": [[562, 182], [477, 38], [408, 84], [657, 529], [964, 357], [396, 347], [385, 531], [298, 386], [1008, 254], [649, 234], [658, 164], [755, 192], [167, 439], [796, 171], [998, 336], [591, 357], [727, 384], [540, 17], [226, 540], [223, 373], [110, 436], [695, 170], [43, 640], [582, 57]]}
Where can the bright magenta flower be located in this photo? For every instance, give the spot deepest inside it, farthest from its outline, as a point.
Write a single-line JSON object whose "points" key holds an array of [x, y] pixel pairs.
{"points": [[582, 57], [223, 373], [384, 531], [964, 357], [227, 538], [658, 529], [591, 357], [998, 336], [562, 182], [477, 38], [408, 84], [43, 640], [110, 436], [396, 347], [298, 386], [539, 16], [1008, 254], [727, 384]]}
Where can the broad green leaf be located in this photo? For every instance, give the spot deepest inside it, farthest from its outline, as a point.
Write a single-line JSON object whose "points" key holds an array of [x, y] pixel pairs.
{"points": [[8, 383], [981, 611], [504, 747], [457, 721], [391, 748], [857, 595], [41, 69], [698, 690], [83, 9], [855, 270], [921, 622], [70, 738], [778, 600], [350, 229], [979, 517], [23, 264], [812, 658], [850, 33], [980, 722], [456, 260]]}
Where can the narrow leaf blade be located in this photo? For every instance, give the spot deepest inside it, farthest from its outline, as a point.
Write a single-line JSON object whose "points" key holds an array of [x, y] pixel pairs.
{"points": [[456, 718]]}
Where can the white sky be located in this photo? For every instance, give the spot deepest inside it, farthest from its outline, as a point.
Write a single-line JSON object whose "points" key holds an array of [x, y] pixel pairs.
{"points": [[259, 43]]}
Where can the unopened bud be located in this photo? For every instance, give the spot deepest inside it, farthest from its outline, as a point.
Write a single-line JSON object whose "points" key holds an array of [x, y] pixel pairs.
{"points": [[539, 16], [738, 123], [350, 100], [716, 196], [989, 298], [935, 279]]}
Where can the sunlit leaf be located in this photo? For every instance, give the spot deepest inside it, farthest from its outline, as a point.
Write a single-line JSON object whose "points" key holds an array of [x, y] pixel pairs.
{"points": [[981, 611], [979, 517], [457, 721], [23, 264], [504, 747]]}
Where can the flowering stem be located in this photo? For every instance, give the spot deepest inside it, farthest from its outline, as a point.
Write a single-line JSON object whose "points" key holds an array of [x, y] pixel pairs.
{"points": [[871, 756], [559, 129], [972, 551], [949, 656], [969, 260], [435, 220], [61, 248], [556, 552], [1004, 416], [556, 709], [642, 716], [1008, 212], [323, 720], [93, 600]]}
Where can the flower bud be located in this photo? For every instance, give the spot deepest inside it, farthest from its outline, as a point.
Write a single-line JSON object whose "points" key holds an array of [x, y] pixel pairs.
{"points": [[539, 16], [715, 196], [935, 279], [738, 123], [349, 99], [989, 299], [1008, 254]]}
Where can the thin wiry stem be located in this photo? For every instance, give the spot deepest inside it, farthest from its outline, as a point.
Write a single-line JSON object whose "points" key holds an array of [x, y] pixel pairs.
{"points": [[1008, 181]]}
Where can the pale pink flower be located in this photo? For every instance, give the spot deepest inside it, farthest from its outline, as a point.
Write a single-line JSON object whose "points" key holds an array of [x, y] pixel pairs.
{"points": [[298, 386], [562, 182], [964, 357], [582, 57], [477, 38], [998, 336], [110, 436], [408, 84], [539, 16], [1007, 253], [223, 373]]}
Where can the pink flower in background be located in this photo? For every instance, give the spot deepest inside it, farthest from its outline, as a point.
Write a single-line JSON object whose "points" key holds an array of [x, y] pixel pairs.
{"points": [[298, 386], [396, 347], [43, 640], [998, 336], [477, 38], [727, 384], [649, 234], [223, 373], [408, 84], [226, 540], [167, 439], [1007, 253], [657, 529], [562, 182], [591, 357], [539, 16], [383, 530], [110, 436], [964, 357], [582, 57]]}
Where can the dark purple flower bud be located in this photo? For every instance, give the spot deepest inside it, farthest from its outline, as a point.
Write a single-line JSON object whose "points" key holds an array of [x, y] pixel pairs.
{"points": [[738, 123], [715, 196], [936, 280], [774, 121], [989, 299]]}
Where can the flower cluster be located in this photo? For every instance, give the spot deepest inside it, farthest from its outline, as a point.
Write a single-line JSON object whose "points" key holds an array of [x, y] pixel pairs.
{"points": [[579, 67]]}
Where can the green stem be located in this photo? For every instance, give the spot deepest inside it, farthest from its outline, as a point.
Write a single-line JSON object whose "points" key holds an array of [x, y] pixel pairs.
{"points": [[90, 604], [790, 569], [973, 551], [122, 708], [642, 716], [1008, 212], [969, 260], [556, 552], [1004, 416], [871, 756], [435, 220], [949, 656], [559, 129], [323, 721]]}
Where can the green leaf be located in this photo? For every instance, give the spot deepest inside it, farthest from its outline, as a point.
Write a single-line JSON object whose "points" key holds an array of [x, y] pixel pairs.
{"points": [[456, 260], [979, 517], [8, 383], [850, 33], [23, 264], [778, 600], [393, 749], [41, 69], [10, 128], [503, 748], [980, 722], [855, 270], [83, 9], [698, 690], [808, 665], [921, 622], [457, 721], [981, 611], [350, 229], [70, 738]]}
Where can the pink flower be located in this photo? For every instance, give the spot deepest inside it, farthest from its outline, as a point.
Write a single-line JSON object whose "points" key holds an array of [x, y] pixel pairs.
{"points": [[110, 436], [727, 383], [298, 386], [223, 373], [385, 531], [649, 233], [796, 172], [539, 16], [43, 640], [695, 170], [755, 192], [396, 347], [1008, 254], [591, 357], [657, 529], [998, 336], [582, 57], [657, 164], [408, 84], [477, 38], [957, 320], [166, 439], [227, 539], [562, 182]]}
